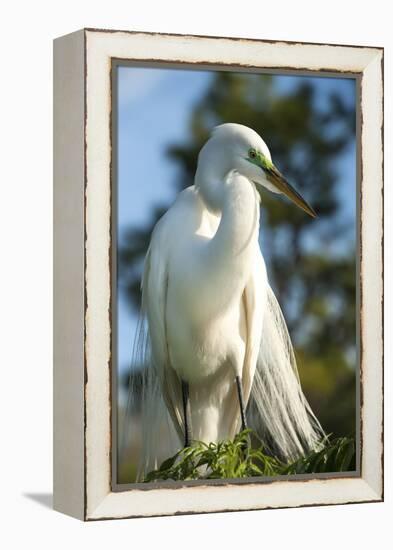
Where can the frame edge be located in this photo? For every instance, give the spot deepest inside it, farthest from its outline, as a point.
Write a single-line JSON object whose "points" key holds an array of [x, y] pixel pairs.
{"points": [[68, 271]]}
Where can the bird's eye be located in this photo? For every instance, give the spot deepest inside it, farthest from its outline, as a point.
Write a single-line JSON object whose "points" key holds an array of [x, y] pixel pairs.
{"points": [[252, 153]]}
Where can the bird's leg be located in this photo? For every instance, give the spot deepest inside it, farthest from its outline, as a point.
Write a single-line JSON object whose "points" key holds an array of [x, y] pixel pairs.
{"points": [[241, 402], [186, 413]]}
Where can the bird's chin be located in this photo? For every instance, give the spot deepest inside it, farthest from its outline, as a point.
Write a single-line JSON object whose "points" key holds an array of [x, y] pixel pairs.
{"points": [[265, 186]]}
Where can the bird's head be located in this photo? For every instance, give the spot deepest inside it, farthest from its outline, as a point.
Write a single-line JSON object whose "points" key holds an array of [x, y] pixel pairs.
{"points": [[237, 147]]}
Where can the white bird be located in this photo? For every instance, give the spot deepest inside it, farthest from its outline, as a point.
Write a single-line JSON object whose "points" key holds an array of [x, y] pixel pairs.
{"points": [[214, 339]]}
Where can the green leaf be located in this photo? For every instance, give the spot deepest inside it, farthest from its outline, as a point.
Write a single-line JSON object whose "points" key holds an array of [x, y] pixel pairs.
{"points": [[238, 459]]}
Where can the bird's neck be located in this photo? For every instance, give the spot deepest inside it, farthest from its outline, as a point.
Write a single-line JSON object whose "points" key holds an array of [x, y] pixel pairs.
{"points": [[237, 233], [231, 251]]}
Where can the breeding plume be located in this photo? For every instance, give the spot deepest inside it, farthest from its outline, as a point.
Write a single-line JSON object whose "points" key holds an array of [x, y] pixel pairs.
{"points": [[212, 336]]}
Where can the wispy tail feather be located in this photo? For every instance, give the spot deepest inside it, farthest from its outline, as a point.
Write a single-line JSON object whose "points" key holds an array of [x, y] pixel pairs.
{"points": [[159, 437], [281, 411]]}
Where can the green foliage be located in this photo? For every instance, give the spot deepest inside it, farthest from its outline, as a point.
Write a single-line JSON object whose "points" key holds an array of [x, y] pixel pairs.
{"points": [[337, 456], [238, 459]]}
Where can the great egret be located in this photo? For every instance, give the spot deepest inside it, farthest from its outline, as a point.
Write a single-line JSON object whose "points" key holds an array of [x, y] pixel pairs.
{"points": [[215, 340]]}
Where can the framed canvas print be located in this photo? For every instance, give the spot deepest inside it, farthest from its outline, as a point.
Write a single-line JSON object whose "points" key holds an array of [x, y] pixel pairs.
{"points": [[218, 265]]}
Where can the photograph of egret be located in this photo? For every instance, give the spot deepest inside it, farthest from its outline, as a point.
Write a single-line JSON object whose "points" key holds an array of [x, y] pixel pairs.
{"points": [[235, 338]]}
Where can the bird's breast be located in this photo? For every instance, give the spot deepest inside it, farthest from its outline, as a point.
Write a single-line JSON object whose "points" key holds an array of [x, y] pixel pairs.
{"points": [[200, 347]]}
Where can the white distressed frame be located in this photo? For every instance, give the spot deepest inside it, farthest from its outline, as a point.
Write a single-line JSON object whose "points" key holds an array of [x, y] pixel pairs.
{"points": [[82, 475]]}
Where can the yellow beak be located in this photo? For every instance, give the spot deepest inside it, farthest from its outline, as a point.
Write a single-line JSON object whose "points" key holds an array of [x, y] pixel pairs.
{"points": [[275, 177]]}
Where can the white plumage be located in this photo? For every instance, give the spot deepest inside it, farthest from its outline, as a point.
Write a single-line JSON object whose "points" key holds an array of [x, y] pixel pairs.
{"points": [[211, 316]]}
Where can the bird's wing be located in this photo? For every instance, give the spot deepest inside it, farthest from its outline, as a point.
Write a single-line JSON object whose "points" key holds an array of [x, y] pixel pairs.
{"points": [[253, 303], [154, 295], [254, 299]]}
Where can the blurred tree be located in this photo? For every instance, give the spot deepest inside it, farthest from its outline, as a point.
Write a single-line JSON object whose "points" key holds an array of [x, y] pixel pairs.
{"points": [[311, 263]]}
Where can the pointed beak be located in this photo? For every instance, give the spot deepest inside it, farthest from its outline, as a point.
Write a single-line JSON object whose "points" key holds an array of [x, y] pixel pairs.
{"points": [[275, 177]]}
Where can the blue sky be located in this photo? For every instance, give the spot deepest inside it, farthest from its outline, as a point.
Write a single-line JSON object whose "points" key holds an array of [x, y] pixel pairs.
{"points": [[154, 108]]}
